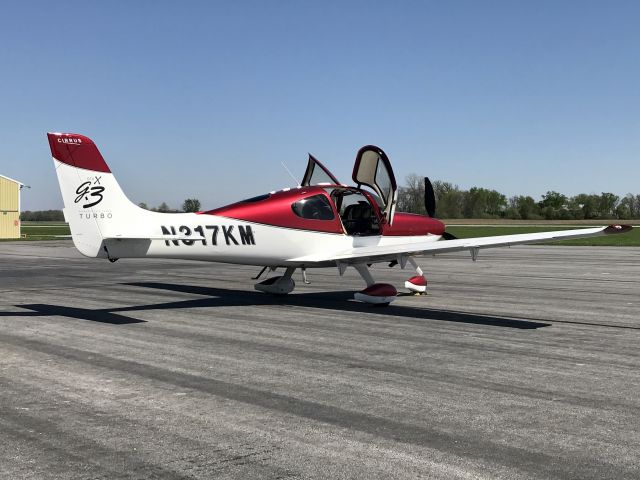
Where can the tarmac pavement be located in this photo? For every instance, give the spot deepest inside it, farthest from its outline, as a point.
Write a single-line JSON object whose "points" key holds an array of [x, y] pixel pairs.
{"points": [[524, 364]]}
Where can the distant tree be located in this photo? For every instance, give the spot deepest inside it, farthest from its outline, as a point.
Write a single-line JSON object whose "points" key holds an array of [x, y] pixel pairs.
{"points": [[411, 195], [607, 204], [143, 205], [483, 203], [525, 206], [631, 204], [588, 204], [624, 209], [42, 216], [474, 203], [191, 205], [574, 206], [163, 208], [449, 199], [553, 199], [496, 203], [478, 202], [554, 205]]}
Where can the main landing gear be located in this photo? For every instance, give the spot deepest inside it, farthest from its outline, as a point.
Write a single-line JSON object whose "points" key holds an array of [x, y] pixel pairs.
{"points": [[278, 285], [383, 293], [379, 294]]}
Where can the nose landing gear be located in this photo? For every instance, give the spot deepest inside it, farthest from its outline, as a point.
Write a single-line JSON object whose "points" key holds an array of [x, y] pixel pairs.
{"points": [[418, 283]]}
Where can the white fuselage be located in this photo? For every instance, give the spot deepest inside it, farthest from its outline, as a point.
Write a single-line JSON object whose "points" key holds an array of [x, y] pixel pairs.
{"points": [[221, 239]]}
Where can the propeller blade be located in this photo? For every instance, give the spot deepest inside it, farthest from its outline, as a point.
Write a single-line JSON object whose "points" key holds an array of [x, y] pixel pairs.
{"points": [[429, 198]]}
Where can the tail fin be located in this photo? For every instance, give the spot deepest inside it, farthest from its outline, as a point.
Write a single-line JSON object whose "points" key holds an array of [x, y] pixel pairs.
{"points": [[94, 203]]}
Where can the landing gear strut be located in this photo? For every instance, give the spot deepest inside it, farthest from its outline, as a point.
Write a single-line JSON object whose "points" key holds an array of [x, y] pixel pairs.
{"points": [[418, 283]]}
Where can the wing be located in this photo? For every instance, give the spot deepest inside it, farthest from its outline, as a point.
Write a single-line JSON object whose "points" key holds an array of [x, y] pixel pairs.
{"points": [[382, 253]]}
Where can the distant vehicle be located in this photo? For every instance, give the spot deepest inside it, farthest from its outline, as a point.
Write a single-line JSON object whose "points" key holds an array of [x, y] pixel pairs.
{"points": [[319, 223]]}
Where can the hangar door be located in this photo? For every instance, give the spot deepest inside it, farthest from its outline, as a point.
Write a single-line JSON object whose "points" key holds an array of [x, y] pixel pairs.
{"points": [[9, 205]]}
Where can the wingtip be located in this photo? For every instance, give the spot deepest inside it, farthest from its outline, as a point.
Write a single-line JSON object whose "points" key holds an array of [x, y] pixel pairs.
{"points": [[615, 229]]}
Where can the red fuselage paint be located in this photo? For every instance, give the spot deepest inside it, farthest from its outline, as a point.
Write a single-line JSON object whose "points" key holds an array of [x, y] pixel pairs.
{"points": [[275, 210], [409, 224]]}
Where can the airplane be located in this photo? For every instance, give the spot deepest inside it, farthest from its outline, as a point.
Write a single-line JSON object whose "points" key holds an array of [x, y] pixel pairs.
{"points": [[319, 223]]}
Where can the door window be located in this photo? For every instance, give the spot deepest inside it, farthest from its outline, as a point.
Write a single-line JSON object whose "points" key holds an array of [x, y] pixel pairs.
{"points": [[317, 174], [373, 169]]}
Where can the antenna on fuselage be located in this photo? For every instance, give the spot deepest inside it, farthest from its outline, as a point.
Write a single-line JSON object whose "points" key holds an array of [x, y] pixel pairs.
{"points": [[290, 174]]}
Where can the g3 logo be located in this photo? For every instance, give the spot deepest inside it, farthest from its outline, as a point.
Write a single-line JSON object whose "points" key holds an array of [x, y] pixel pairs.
{"points": [[88, 191]]}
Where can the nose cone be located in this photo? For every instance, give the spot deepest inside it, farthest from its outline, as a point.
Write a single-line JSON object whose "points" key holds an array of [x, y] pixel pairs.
{"points": [[413, 224]]}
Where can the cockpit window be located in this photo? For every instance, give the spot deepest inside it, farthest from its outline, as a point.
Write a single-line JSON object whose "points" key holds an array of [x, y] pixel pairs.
{"points": [[316, 207]]}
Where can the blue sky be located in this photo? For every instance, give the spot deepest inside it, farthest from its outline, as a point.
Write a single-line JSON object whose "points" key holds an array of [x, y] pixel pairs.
{"points": [[206, 99]]}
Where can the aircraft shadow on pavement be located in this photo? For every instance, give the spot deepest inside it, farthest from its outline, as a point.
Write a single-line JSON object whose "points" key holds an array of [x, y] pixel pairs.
{"points": [[221, 297], [94, 315], [334, 300]]}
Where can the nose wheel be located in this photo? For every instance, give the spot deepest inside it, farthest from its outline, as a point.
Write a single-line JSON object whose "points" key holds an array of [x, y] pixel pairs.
{"points": [[418, 283]]}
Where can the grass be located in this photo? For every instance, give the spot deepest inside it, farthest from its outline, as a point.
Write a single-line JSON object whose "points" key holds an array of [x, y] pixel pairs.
{"points": [[52, 230], [630, 239], [43, 230]]}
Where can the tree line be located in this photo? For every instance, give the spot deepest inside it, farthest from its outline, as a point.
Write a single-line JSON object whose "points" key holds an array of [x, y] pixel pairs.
{"points": [[453, 202], [189, 205], [478, 202]]}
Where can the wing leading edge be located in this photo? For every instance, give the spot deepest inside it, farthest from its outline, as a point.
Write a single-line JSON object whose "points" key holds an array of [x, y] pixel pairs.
{"points": [[372, 254]]}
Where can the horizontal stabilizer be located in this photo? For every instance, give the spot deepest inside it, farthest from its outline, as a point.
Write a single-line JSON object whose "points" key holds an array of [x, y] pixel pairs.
{"points": [[149, 237]]}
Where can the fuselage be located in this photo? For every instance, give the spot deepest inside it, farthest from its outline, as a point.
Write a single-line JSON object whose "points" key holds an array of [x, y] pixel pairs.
{"points": [[273, 229], [276, 229]]}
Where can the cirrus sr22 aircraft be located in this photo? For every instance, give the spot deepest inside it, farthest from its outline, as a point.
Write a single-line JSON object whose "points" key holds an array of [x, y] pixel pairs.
{"points": [[320, 223]]}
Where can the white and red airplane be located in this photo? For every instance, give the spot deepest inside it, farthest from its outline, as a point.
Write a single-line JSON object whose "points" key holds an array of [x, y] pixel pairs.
{"points": [[320, 223]]}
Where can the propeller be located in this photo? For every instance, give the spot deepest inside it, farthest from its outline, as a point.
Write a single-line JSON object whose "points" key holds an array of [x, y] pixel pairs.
{"points": [[430, 205], [429, 198]]}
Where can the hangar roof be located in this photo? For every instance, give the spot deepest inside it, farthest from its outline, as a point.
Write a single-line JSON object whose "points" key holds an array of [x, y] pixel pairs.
{"points": [[12, 180]]}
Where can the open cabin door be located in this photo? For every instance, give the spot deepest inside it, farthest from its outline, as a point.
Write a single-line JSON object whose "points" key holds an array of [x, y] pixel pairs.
{"points": [[373, 169], [317, 174]]}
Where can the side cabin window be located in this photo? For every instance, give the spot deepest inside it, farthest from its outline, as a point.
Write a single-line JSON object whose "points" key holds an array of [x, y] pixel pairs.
{"points": [[316, 207]]}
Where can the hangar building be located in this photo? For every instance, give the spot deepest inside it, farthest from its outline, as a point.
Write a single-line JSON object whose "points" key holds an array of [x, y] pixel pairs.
{"points": [[9, 207]]}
